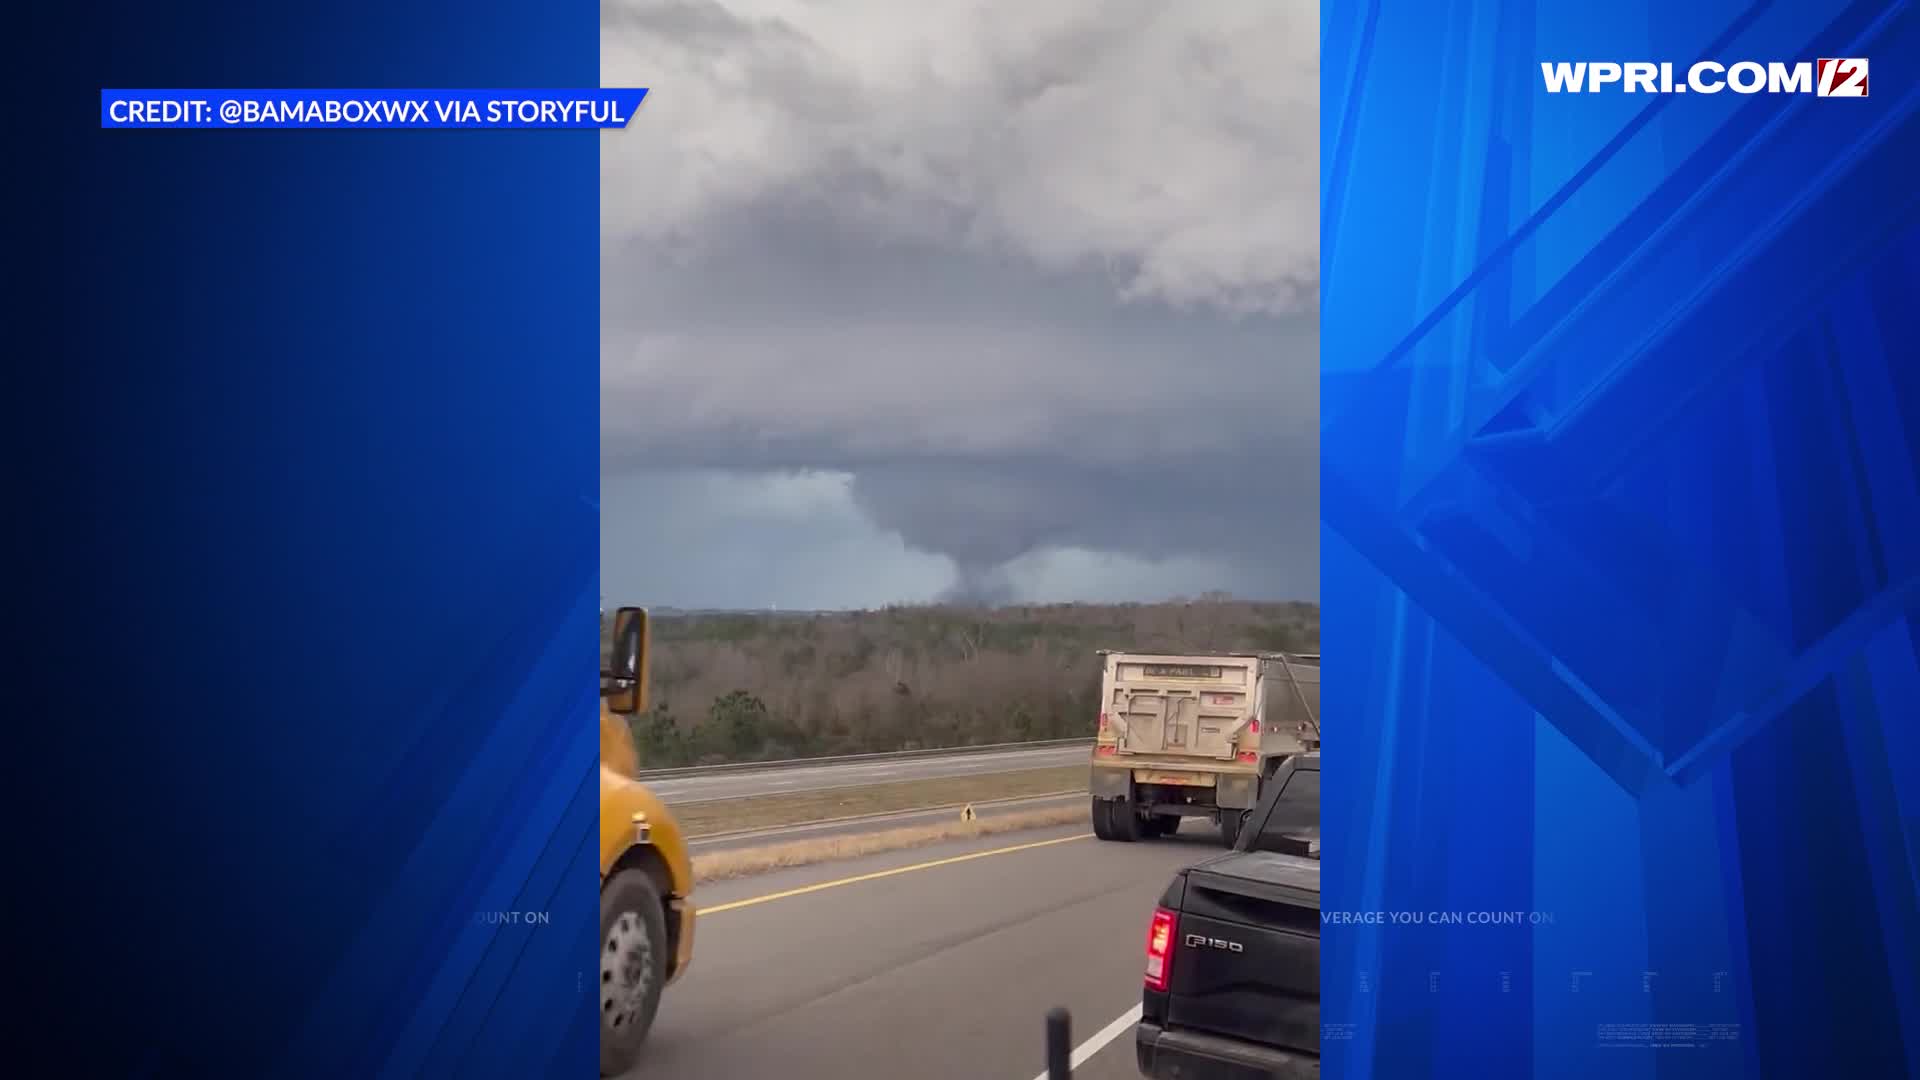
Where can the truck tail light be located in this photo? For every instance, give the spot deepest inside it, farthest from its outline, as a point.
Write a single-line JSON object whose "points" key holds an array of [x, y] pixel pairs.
{"points": [[1248, 755], [1160, 948], [1252, 725]]}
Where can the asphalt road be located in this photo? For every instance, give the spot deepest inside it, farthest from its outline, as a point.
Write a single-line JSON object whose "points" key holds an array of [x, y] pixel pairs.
{"points": [[935, 971], [735, 785], [878, 822]]}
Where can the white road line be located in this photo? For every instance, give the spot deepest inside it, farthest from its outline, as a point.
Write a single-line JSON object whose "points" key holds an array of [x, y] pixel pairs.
{"points": [[1100, 1039]]}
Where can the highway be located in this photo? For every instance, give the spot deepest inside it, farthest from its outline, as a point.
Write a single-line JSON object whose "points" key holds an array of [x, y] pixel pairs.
{"points": [[939, 962], [736, 785], [985, 811]]}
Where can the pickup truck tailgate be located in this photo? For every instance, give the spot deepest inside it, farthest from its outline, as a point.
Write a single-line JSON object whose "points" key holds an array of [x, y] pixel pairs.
{"points": [[1247, 955]]}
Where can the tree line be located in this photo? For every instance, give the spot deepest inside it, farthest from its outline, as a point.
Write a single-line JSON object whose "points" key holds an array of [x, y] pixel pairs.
{"points": [[753, 687]]}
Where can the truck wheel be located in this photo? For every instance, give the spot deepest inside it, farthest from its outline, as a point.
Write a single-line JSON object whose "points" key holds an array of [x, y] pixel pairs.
{"points": [[1229, 827], [633, 967], [1126, 821], [1102, 825], [1166, 824]]}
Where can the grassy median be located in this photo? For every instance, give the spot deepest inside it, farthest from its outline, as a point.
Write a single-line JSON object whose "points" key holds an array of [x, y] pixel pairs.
{"points": [[769, 811], [720, 865]]}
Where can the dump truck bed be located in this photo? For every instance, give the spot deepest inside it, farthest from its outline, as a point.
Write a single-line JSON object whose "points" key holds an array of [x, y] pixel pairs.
{"points": [[1210, 705]]}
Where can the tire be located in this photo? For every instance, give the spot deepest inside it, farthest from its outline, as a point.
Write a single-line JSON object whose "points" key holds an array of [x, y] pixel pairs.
{"points": [[1166, 824], [1126, 821], [1229, 827], [633, 967], [1102, 825]]}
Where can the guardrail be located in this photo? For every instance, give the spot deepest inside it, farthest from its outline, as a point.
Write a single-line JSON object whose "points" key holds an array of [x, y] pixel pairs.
{"points": [[852, 759]]}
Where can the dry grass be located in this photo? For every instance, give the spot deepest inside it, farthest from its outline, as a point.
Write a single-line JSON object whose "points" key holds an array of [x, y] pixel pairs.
{"points": [[699, 819], [741, 862]]}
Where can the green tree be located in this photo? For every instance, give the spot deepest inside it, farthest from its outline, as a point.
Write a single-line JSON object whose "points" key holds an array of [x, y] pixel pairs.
{"points": [[741, 719], [657, 739]]}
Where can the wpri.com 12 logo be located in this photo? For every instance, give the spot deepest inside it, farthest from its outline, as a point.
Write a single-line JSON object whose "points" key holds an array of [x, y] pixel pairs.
{"points": [[1826, 77], [1842, 78]]}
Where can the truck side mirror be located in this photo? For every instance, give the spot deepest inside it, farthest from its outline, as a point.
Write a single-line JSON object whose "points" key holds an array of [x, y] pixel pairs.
{"points": [[623, 666]]}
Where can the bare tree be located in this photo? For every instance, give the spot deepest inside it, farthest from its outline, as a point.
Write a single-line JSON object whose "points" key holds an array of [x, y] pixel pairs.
{"points": [[924, 676]]}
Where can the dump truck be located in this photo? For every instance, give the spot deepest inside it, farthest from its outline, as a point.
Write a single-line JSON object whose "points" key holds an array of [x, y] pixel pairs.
{"points": [[1196, 735], [646, 874]]}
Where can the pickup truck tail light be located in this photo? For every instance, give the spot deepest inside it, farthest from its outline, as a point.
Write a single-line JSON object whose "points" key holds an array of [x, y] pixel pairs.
{"points": [[1160, 948]]}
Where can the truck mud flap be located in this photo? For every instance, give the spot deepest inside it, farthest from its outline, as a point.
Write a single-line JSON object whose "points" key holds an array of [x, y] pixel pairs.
{"points": [[1110, 783], [1236, 792]]}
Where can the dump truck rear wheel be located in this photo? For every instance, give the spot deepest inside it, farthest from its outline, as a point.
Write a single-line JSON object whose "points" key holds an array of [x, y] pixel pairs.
{"points": [[1116, 820], [1102, 824], [1229, 827], [633, 967]]}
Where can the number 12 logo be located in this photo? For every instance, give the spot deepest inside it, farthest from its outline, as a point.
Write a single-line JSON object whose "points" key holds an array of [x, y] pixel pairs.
{"points": [[1843, 78]]}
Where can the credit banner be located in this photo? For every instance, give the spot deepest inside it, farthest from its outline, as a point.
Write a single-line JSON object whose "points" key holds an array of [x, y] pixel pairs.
{"points": [[191, 109]]}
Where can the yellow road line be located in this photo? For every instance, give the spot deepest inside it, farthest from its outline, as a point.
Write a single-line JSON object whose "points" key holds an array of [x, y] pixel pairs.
{"points": [[717, 908]]}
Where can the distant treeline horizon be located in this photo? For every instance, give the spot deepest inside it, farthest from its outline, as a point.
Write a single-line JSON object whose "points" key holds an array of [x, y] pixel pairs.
{"points": [[943, 603], [757, 685]]}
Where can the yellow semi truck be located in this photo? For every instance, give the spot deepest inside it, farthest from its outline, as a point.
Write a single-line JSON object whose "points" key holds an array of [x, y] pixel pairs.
{"points": [[1196, 735], [646, 875]]}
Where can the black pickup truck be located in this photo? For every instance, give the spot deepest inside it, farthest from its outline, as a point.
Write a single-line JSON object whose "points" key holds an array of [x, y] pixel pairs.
{"points": [[1233, 951]]}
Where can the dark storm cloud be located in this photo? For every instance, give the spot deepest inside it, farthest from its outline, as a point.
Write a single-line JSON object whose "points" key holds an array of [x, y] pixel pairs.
{"points": [[956, 256], [984, 515], [792, 342]]}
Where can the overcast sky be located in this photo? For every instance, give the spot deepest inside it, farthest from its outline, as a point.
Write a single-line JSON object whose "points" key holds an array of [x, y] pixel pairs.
{"points": [[983, 299]]}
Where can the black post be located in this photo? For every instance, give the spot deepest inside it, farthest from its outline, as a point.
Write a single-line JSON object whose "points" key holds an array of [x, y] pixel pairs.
{"points": [[1059, 1044]]}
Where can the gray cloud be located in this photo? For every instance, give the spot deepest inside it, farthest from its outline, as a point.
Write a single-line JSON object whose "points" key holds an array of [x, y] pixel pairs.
{"points": [[986, 515], [697, 538], [1039, 279], [1173, 147]]}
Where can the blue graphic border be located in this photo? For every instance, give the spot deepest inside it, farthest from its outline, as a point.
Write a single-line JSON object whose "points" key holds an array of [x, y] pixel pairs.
{"points": [[1621, 559], [306, 427]]}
